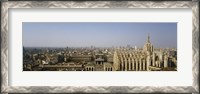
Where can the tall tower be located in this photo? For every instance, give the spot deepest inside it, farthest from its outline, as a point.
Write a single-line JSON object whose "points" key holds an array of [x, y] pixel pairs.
{"points": [[148, 47]]}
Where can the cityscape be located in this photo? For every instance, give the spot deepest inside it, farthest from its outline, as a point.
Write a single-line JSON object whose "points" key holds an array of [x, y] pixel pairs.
{"points": [[46, 50]]}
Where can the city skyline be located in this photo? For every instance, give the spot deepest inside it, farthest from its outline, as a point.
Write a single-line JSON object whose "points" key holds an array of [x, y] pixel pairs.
{"points": [[98, 34]]}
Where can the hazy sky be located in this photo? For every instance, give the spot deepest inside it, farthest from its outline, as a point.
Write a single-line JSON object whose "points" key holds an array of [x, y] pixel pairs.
{"points": [[99, 34]]}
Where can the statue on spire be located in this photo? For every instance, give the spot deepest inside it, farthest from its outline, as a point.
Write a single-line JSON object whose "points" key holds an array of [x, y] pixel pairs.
{"points": [[148, 38]]}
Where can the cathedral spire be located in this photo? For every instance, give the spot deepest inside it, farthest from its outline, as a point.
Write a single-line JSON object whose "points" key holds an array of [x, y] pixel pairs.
{"points": [[148, 39]]}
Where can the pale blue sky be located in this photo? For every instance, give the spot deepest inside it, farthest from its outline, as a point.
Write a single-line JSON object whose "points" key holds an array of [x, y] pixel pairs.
{"points": [[99, 34]]}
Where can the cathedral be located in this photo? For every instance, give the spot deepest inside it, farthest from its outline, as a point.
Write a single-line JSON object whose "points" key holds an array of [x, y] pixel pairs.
{"points": [[146, 59]]}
